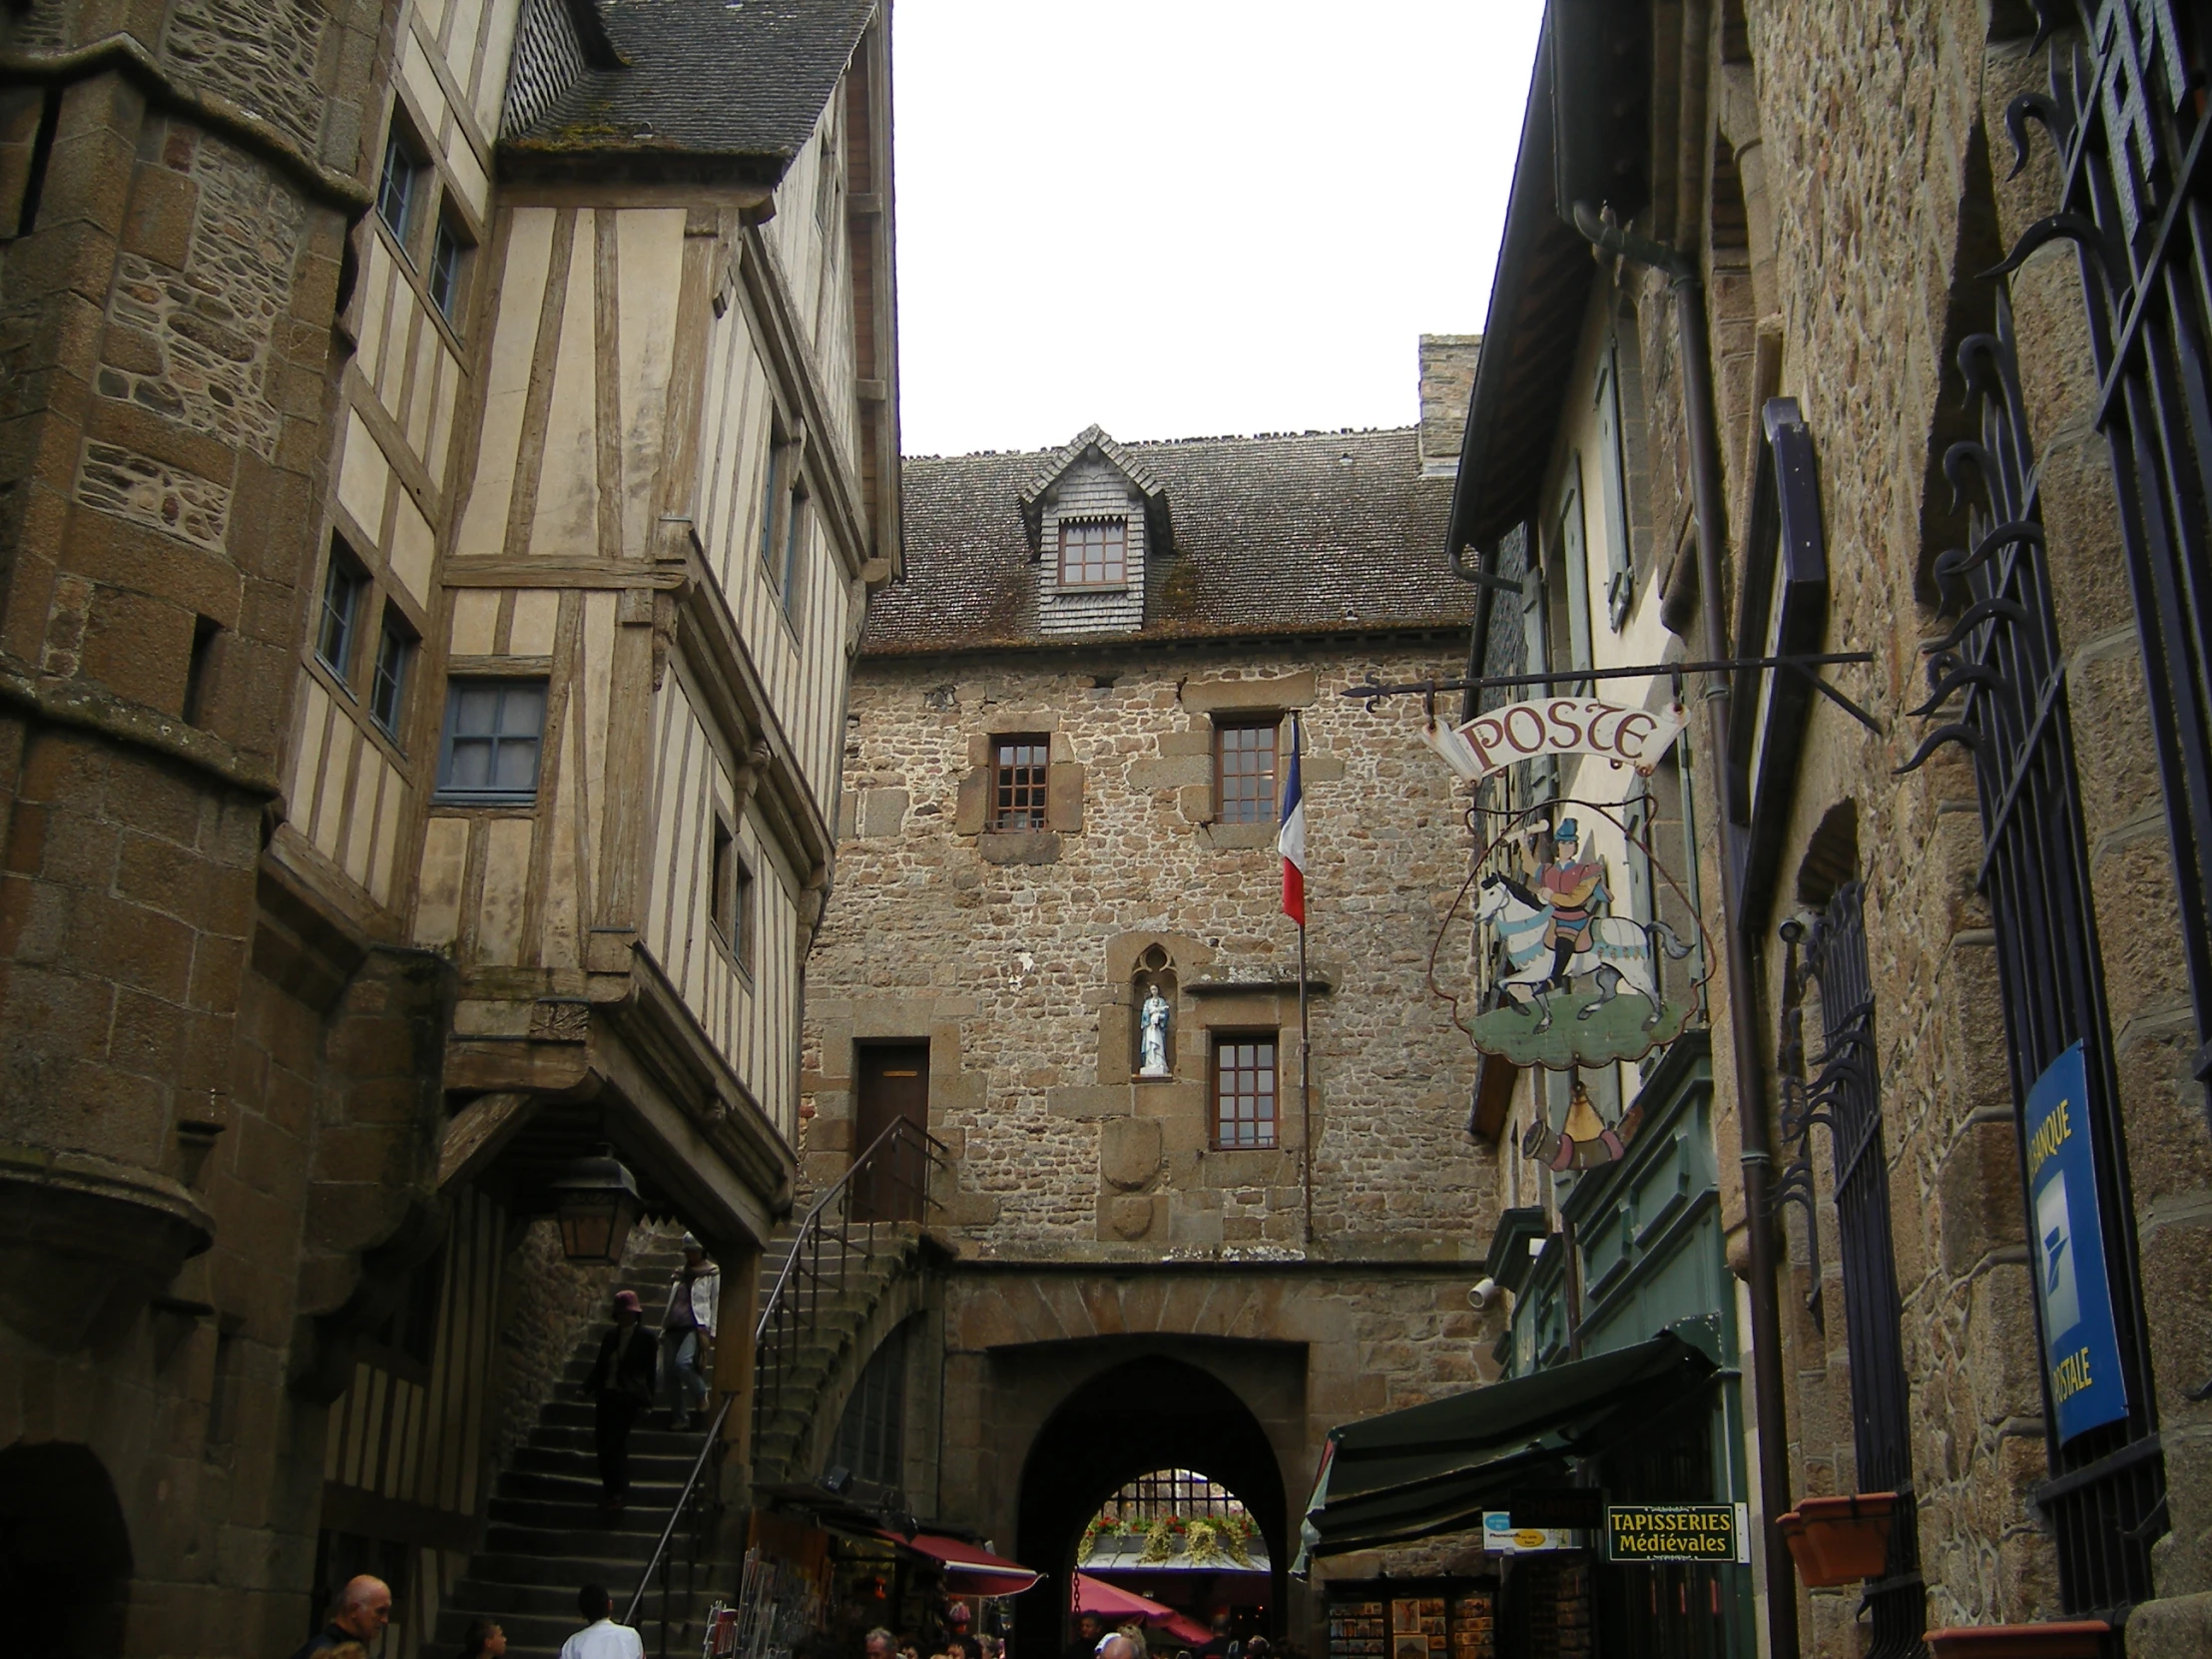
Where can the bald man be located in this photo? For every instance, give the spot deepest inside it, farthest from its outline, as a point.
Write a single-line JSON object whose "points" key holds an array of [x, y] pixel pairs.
{"points": [[1118, 1646], [363, 1609]]}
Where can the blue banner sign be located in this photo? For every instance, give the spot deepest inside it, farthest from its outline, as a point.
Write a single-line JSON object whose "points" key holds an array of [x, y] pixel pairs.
{"points": [[2081, 1349]]}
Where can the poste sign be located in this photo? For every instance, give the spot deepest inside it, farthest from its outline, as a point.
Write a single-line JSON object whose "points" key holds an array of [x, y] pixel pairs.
{"points": [[1488, 744]]}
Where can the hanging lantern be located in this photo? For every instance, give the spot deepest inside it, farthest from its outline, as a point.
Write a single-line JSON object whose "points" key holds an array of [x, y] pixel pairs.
{"points": [[597, 1202]]}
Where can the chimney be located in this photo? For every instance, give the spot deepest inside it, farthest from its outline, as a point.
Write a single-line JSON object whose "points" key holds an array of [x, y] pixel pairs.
{"points": [[1446, 383]]}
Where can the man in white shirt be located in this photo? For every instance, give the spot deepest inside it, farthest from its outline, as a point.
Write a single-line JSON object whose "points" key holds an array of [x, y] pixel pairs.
{"points": [[600, 1638]]}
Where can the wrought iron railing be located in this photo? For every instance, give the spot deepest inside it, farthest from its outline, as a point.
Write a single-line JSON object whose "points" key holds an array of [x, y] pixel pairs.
{"points": [[2105, 1500], [1846, 1098], [888, 1183], [2128, 112], [698, 1504]]}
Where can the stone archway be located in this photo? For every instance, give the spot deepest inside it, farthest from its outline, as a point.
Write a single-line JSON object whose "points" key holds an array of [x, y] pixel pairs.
{"points": [[65, 1552], [1147, 1412]]}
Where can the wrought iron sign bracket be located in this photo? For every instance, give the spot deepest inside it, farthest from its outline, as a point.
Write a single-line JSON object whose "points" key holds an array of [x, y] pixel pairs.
{"points": [[1802, 664]]}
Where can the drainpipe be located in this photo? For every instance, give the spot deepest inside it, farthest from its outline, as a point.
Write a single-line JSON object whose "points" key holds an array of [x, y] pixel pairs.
{"points": [[1751, 1116]]}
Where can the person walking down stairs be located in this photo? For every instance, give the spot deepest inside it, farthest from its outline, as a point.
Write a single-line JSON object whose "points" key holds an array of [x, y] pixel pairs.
{"points": [[620, 1387], [694, 1302]]}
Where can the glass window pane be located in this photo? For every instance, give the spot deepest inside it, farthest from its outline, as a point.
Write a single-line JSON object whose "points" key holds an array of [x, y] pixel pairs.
{"points": [[521, 711], [515, 768], [475, 709], [470, 765]]}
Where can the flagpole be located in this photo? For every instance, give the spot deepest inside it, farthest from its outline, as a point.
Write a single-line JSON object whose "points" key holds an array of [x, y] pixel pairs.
{"points": [[1304, 1034]]}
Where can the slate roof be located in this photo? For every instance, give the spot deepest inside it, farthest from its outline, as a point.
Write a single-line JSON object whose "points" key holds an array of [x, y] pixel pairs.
{"points": [[1314, 533], [726, 78]]}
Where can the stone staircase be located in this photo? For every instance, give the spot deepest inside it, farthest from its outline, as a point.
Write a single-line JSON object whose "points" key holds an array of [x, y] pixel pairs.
{"points": [[545, 1538], [842, 1316]]}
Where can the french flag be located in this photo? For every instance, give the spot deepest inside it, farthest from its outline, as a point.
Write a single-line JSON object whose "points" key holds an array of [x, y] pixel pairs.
{"points": [[1291, 843]]}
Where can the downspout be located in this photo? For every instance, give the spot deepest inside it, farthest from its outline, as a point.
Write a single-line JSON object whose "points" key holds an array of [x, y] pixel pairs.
{"points": [[1758, 1152]]}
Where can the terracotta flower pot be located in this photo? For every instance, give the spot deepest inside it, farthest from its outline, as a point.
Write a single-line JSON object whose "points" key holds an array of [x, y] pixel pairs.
{"points": [[1840, 1541], [2079, 1639]]}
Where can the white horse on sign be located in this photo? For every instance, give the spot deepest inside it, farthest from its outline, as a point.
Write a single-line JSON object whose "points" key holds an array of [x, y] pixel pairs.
{"points": [[1620, 953]]}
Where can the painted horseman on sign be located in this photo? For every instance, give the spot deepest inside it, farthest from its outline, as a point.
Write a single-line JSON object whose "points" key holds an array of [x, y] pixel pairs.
{"points": [[1554, 951], [1550, 938]]}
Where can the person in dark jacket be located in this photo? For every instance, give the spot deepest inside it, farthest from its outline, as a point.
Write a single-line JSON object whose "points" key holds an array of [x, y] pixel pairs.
{"points": [[620, 1386], [363, 1609]]}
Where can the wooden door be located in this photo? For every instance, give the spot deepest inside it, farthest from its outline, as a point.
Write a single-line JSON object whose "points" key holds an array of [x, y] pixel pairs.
{"points": [[893, 1083]]}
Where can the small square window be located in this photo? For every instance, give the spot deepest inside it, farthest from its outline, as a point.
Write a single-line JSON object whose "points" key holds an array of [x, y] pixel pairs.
{"points": [[1094, 553], [400, 190], [344, 586], [1244, 772], [493, 732], [449, 260], [1244, 1090], [388, 692], [1018, 772]]}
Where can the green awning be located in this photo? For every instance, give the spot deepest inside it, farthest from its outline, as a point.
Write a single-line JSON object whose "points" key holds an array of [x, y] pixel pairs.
{"points": [[1434, 1469]]}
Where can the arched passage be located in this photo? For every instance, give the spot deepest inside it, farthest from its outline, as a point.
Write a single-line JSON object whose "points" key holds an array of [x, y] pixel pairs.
{"points": [[65, 1552], [1143, 1414]]}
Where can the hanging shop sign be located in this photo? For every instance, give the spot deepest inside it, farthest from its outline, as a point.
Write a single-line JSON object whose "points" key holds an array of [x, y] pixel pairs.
{"points": [[1677, 1532], [2081, 1349], [1502, 1537], [1490, 743], [1565, 973]]}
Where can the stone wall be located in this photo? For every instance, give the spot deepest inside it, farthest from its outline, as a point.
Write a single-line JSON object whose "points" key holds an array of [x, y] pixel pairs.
{"points": [[1021, 957]]}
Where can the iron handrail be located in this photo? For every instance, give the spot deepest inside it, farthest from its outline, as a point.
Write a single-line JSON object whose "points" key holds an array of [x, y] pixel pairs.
{"points": [[675, 1515], [896, 1129]]}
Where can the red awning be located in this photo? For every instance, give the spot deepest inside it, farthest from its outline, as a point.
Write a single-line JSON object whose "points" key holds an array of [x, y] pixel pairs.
{"points": [[1111, 1601], [969, 1568]]}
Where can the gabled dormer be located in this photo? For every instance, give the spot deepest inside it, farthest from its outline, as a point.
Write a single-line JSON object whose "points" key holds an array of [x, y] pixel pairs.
{"points": [[1094, 516]]}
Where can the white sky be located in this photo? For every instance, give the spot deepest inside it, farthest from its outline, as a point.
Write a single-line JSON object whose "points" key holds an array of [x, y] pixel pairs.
{"points": [[1190, 218]]}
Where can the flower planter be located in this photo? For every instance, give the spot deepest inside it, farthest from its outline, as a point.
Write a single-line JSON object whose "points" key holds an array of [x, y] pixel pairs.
{"points": [[2079, 1639], [1840, 1541]]}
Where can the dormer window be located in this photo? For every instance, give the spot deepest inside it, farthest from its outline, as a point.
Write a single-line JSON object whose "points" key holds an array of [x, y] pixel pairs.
{"points": [[1094, 553]]}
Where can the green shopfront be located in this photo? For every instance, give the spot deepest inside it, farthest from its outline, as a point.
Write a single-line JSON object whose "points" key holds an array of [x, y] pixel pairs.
{"points": [[1639, 1250]]}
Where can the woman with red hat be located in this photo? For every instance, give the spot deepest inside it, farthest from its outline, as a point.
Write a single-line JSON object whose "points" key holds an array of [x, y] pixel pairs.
{"points": [[620, 1386]]}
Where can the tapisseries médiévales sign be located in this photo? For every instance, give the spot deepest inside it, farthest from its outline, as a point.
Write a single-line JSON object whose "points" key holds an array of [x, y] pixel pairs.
{"points": [[2081, 1347], [1654, 1532]]}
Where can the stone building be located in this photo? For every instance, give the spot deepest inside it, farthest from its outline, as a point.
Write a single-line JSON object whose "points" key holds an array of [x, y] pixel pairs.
{"points": [[1071, 728], [449, 448], [1876, 400]]}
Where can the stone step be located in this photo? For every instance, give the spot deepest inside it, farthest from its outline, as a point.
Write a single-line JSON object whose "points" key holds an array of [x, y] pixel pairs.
{"points": [[647, 1511], [579, 1482], [645, 1442], [673, 1465], [591, 1541]]}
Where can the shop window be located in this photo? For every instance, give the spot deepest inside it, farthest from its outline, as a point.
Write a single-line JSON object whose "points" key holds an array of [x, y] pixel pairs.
{"points": [[1019, 766], [344, 587], [1244, 770], [493, 732], [1244, 1090], [1094, 553]]}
